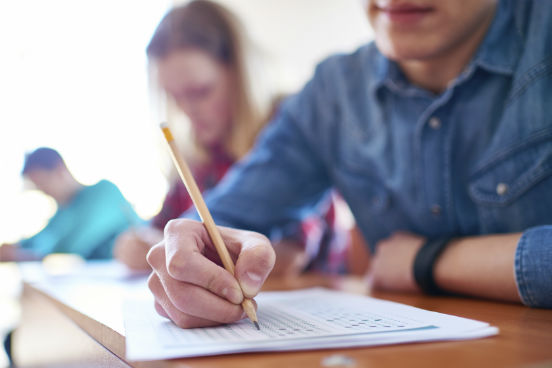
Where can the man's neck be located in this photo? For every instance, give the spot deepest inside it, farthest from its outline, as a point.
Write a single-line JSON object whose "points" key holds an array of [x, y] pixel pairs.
{"points": [[436, 73], [72, 188]]}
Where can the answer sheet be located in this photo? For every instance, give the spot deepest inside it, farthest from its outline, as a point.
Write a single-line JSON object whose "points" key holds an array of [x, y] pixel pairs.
{"points": [[295, 320]]}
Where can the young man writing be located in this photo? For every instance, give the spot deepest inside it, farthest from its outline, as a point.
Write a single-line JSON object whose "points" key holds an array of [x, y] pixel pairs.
{"points": [[438, 135]]}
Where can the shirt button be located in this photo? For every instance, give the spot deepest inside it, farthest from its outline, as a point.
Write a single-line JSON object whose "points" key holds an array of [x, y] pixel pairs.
{"points": [[436, 209], [435, 123], [501, 189]]}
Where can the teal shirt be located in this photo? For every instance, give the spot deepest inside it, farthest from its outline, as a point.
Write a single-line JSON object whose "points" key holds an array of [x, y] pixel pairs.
{"points": [[87, 225]]}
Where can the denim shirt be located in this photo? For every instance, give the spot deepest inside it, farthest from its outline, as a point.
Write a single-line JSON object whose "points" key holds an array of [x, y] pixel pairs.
{"points": [[475, 159]]}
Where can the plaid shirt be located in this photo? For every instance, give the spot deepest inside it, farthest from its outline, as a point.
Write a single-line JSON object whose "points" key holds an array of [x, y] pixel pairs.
{"points": [[319, 233]]}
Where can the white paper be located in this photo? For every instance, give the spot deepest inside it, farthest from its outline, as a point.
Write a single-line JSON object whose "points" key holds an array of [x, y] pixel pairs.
{"points": [[295, 320]]}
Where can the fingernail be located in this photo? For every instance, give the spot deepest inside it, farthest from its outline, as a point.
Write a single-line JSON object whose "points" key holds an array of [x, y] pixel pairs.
{"points": [[251, 283], [233, 295]]}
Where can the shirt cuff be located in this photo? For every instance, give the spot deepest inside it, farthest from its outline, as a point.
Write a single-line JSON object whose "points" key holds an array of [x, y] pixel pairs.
{"points": [[532, 265]]}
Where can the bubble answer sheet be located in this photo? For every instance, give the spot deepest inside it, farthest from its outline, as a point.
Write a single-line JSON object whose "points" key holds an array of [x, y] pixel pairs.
{"points": [[295, 320]]}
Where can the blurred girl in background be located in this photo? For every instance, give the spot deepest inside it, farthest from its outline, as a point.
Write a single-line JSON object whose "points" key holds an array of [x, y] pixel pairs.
{"points": [[202, 62]]}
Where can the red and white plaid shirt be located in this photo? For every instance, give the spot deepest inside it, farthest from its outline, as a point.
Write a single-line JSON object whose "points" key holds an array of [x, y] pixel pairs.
{"points": [[321, 235]]}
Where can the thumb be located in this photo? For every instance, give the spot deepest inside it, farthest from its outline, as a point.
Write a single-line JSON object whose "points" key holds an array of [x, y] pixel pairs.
{"points": [[255, 261]]}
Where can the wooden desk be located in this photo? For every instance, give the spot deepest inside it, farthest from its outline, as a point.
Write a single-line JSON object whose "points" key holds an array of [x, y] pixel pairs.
{"points": [[525, 337]]}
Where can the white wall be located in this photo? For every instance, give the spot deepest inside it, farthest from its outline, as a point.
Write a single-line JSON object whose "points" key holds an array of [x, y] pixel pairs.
{"points": [[297, 34]]}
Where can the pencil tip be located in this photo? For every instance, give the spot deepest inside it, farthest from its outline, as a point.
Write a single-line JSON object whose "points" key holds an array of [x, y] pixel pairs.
{"points": [[256, 325]]}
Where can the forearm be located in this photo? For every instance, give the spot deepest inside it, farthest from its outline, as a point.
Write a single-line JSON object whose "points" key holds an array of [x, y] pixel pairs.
{"points": [[25, 255], [272, 186], [481, 266]]}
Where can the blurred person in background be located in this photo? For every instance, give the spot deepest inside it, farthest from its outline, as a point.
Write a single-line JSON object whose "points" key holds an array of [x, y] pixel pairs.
{"points": [[202, 59], [87, 219]]}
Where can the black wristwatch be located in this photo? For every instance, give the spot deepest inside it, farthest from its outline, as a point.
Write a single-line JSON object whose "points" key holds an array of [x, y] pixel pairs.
{"points": [[425, 263]]}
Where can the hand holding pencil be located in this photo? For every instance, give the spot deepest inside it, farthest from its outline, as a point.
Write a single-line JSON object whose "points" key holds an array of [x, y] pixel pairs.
{"points": [[189, 283]]}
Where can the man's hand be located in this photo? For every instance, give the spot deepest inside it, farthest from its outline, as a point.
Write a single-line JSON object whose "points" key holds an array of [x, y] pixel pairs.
{"points": [[8, 252], [190, 285], [391, 267], [14, 253]]}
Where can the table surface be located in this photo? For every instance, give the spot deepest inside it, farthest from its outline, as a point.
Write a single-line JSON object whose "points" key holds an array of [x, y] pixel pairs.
{"points": [[525, 337], [46, 338]]}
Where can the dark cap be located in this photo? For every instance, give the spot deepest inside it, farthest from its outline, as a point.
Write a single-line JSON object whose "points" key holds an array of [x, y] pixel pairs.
{"points": [[44, 158]]}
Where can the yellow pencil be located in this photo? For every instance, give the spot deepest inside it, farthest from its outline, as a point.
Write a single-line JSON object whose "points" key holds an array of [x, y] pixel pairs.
{"points": [[205, 215]]}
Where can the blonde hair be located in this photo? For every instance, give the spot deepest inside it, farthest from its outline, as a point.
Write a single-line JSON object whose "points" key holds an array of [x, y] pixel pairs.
{"points": [[208, 26]]}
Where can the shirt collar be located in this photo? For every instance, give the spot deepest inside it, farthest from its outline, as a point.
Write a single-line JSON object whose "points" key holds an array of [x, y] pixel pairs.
{"points": [[380, 68], [501, 48], [499, 52]]}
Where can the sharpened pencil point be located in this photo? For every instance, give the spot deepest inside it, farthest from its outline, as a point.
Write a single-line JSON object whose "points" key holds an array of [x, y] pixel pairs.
{"points": [[257, 325]]}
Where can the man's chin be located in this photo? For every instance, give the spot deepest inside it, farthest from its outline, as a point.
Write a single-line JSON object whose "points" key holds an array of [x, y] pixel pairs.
{"points": [[407, 53]]}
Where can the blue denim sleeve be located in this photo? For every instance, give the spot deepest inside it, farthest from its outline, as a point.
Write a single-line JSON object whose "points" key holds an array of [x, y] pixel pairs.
{"points": [[274, 187], [533, 260]]}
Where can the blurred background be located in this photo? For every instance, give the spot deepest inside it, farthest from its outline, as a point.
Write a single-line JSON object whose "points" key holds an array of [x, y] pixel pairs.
{"points": [[73, 76]]}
